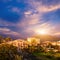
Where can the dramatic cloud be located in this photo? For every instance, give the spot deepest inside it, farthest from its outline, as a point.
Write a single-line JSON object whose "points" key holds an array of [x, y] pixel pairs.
{"points": [[57, 34], [45, 9], [4, 29], [28, 17], [6, 23], [8, 31], [15, 9]]}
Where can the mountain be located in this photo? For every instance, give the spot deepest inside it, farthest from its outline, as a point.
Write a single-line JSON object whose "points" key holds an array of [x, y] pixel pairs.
{"points": [[41, 37], [14, 37], [47, 38], [11, 36]]}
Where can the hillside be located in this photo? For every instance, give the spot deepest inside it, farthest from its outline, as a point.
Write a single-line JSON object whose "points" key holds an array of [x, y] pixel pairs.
{"points": [[47, 38]]}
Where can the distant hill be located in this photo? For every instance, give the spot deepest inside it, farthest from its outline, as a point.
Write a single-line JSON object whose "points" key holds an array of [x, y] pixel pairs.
{"points": [[11, 36], [47, 38], [41, 37]]}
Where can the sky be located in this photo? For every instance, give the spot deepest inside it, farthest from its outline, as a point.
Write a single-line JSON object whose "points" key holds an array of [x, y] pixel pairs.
{"points": [[24, 18]]}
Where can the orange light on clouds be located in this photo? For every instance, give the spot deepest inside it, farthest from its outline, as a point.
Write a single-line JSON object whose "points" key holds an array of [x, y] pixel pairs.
{"points": [[43, 31]]}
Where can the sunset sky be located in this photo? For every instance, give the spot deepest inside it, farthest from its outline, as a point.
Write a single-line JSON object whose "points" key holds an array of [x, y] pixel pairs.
{"points": [[23, 18]]}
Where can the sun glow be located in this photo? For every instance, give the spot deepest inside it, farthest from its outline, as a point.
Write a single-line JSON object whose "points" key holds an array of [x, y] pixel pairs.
{"points": [[41, 32]]}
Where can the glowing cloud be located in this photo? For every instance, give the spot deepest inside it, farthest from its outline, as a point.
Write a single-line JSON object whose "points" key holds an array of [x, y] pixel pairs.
{"points": [[41, 32]]}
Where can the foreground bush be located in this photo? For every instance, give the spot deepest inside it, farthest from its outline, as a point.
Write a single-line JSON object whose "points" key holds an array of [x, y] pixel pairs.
{"points": [[8, 52]]}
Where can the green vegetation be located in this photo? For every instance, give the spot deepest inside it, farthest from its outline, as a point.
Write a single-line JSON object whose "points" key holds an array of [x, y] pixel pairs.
{"points": [[41, 54], [10, 52], [3, 40]]}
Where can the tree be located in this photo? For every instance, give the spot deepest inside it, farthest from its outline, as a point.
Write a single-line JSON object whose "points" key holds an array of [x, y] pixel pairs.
{"points": [[8, 39], [8, 52], [1, 39]]}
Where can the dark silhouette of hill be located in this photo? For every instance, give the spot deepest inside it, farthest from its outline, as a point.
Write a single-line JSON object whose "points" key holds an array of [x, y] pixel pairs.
{"points": [[47, 38], [41, 37]]}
